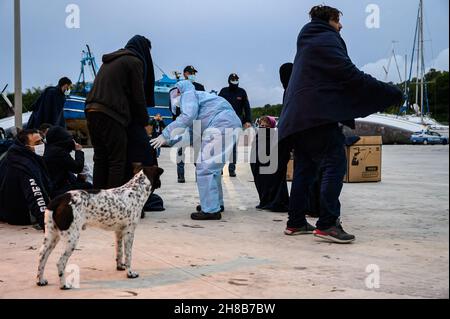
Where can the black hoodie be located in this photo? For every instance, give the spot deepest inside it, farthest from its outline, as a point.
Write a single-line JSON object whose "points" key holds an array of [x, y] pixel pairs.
{"points": [[60, 164], [24, 187], [119, 90], [285, 76]]}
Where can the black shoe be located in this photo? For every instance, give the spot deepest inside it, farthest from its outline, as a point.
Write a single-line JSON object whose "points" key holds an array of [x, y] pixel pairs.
{"points": [[278, 208], [181, 180], [38, 227], [204, 216], [233, 174], [335, 234], [199, 208], [142, 215]]}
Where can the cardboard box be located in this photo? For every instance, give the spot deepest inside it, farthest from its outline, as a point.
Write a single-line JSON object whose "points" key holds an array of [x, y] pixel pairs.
{"points": [[364, 160]]}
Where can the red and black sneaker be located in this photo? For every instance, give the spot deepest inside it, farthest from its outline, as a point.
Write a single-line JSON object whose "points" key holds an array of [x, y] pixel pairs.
{"points": [[335, 234], [305, 230]]}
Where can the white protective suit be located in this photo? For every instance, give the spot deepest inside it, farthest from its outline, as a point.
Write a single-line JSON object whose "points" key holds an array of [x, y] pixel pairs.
{"points": [[218, 120]]}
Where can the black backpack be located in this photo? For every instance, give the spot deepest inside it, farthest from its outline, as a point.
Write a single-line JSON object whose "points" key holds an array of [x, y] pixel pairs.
{"points": [[154, 204]]}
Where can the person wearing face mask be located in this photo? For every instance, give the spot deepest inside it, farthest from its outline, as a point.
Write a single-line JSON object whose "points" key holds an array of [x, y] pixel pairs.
{"points": [[219, 128], [190, 74], [25, 185], [49, 107], [238, 99], [62, 167]]}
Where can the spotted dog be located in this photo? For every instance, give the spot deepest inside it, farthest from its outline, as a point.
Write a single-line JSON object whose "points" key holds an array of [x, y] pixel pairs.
{"points": [[117, 209]]}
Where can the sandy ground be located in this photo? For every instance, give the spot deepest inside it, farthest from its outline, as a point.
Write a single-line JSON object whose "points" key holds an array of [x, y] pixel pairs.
{"points": [[401, 224]]}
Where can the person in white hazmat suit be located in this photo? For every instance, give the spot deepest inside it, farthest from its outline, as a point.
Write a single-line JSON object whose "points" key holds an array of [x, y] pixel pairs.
{"points": [[220, 128]]}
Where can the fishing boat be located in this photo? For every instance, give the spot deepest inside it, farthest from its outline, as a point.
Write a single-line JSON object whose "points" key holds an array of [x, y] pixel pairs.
{"points": [[75, 103], [75, 106]]}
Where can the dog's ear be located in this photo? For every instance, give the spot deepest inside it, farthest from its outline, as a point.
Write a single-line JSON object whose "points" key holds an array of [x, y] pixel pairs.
{"points": [[153, 173]]}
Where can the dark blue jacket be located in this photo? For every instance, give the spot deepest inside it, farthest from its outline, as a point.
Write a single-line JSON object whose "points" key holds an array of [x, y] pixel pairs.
{"points": [[48, 109], [24, 187], [238, 98], [326, 87]]}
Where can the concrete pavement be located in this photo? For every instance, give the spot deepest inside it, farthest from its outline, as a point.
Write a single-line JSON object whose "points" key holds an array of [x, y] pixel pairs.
{"points": [[401, 224]]}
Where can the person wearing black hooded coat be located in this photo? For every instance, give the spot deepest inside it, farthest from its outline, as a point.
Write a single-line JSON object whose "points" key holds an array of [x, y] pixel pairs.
{"points": [[25, 185], [61, 166], [116, 111], [325, 89]]}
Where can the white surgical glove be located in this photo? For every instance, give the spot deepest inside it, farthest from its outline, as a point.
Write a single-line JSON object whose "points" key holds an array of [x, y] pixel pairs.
{"points": [[158, 142]]}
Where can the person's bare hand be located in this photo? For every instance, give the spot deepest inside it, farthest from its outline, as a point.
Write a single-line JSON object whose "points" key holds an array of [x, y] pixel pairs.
{"points": [[78, 147], [149, 130]]}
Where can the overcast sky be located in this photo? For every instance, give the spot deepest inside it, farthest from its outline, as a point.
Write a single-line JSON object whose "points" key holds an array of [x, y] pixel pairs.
{"points": [[249, 37]]}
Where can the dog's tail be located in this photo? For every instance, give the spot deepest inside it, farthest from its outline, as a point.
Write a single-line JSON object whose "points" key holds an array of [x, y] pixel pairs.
{"points": [[60, 212]]}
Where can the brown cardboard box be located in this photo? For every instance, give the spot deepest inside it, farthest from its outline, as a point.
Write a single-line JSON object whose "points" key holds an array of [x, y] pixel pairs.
{"points": [[364, 160]]}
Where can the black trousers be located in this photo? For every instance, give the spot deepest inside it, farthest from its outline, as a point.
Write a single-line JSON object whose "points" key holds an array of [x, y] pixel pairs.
{"points": [[109, 140], [318, 152], [139, 149]]}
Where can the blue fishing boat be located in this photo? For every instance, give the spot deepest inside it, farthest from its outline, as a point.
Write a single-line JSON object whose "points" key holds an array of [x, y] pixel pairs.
{"points": [[75, 105]]}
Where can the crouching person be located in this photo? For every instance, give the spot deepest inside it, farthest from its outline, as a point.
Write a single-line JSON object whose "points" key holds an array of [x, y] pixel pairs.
{"points": [[62, 167], [24, 182], [216, 116]]}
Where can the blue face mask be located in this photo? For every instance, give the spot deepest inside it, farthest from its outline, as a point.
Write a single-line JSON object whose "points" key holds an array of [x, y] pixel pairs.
{"points": [[192, 78]]}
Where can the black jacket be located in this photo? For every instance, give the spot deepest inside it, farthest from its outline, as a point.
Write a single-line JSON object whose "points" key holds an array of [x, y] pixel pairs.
{"points": [[198, 86], [326, 87], [237, 97], [48, 109], [24, 187], [61, 166], [118, 89]]}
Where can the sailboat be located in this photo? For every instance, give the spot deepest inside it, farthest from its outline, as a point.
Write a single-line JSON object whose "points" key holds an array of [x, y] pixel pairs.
{"points": [[399, 128]]}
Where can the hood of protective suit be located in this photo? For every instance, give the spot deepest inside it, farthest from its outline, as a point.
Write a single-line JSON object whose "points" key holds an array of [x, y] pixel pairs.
{"points": [[185, 86]]}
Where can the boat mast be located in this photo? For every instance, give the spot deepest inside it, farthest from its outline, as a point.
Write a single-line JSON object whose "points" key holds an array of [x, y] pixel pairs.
{"points": [[422, 62]]}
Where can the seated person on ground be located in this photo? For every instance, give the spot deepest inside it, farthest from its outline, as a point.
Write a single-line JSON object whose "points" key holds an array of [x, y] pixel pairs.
{"points": [[24, 182], [61, 166]]}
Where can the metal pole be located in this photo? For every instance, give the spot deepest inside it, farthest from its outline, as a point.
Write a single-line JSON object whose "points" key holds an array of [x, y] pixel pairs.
{"points": [[406, 80], [17, 66]]}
